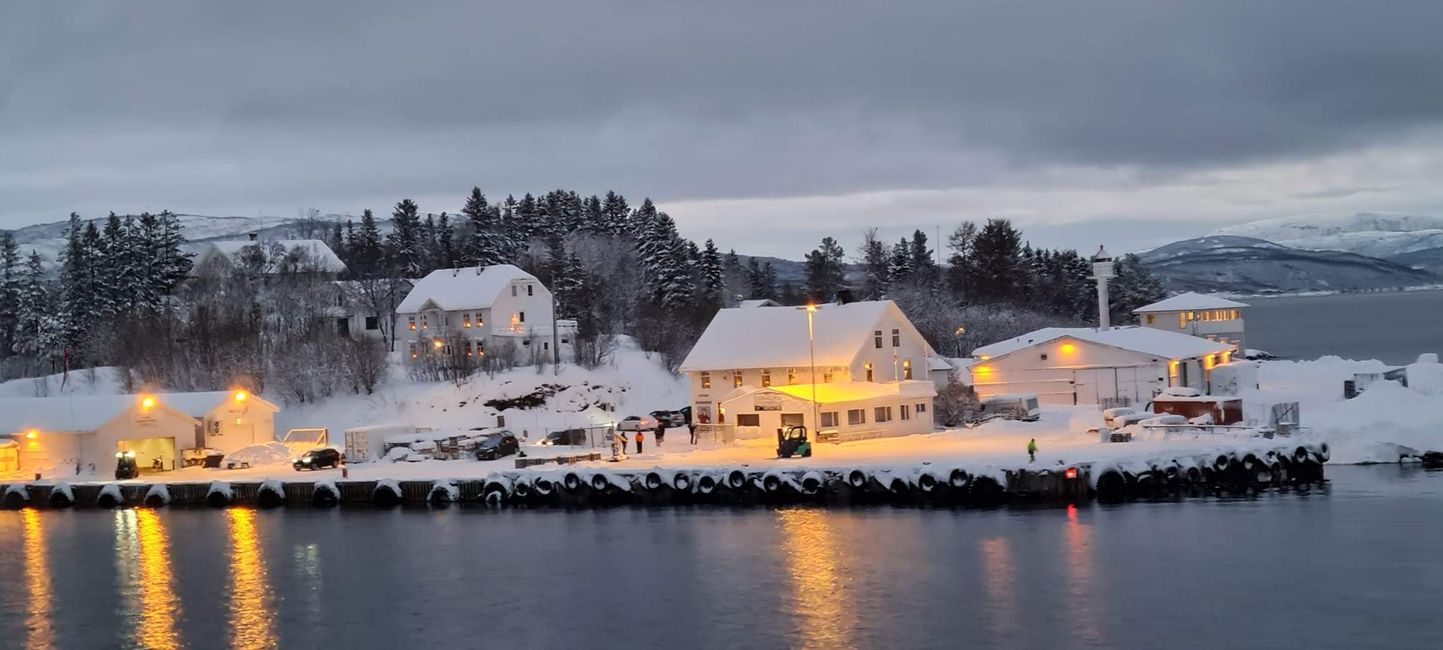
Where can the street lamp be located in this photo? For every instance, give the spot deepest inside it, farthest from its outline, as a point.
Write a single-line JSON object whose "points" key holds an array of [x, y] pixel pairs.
{"points": [[812, 352]]}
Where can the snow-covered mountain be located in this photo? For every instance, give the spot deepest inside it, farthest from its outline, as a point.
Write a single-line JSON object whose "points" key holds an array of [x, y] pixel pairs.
{"points": [[49, 238], [1248, 265], [1370, 233]]}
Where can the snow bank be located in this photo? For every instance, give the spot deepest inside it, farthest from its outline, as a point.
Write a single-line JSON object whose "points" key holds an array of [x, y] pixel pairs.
{"points": [[270, 453]]}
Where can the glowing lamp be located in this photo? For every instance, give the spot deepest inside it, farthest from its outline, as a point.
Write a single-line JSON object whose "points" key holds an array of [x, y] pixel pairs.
{"points": [[147, 402], [437, 344], [984, 357], [1069, 473], [811, 307], [241, 396], [31, 434], [984, 369], [1068, 348]]}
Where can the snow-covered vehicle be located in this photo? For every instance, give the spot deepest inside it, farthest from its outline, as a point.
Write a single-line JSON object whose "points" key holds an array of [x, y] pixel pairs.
{"points": [[1012, 406], [670, 418], [637, 423]]}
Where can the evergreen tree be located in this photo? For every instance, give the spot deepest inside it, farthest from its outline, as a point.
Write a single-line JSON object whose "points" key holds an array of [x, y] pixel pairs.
{"points": [[595, 219], [446, 256], [10, 274], [368, 253], [923, 264], [960, 266], [489, 243], [825, 273], [405, 251], [78, 288], [876, 266], [899, 263], [998, 274], [713, 275], [1133, 287], [36, 333], [615, 215]]}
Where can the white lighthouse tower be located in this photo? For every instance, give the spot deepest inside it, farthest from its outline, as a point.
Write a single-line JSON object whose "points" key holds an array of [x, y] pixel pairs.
{"points": [[1101, 271]]}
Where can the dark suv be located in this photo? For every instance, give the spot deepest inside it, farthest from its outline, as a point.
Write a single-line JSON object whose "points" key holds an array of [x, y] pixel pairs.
{"points": [[496, 445], [318, 459]]}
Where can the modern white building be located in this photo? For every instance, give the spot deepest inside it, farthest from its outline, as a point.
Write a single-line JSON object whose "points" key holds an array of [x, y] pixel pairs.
{"points": [[1089, 366], [69, 435], [1211, 317], [480, 309], [751, 372]]}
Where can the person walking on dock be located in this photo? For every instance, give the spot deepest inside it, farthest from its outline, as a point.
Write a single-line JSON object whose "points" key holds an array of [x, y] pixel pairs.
{"points": [[639, 437], [1031, 450]]}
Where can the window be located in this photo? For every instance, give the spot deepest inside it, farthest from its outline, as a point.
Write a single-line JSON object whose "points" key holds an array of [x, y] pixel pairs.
{"points": [[706, 380], [1151, 318], [766, 378], [827, 376], [468, 348], [877, 339], [478, 319], [513, 291], [921, 407], [520, 316], [906, 411], [906, 368], [373, 323], [829, 419], [411, 347], [792, 420], [791, 376], [749, 420], [546, 345], [882, 414], [1181, 320], [868, 368], [856, 416], [411, 322], [466, 319], [896, 338], [424, 324], [528, 290], [737, 380]]}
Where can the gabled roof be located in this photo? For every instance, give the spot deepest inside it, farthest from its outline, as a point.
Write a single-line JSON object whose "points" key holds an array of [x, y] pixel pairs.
{"points": [[467, 288], [777, 337], [758, 302], [1147, 340], [88, 412], [1187, 301], [318, 253]]}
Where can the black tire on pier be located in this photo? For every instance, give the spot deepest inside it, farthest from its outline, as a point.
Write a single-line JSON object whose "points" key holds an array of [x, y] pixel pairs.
{"points": [[772, 483], [736, 479], [1301, 454], [324, 497], [571, 481], [385, 496], [599, 482], [653, 481], [522, 488], [926, 482], [268, 497], [857, 479], [812, 483], [543, 486], [217, 499], [958, 479], [681, 482], [59, 500], [107, 500], [1111, 486], [706, 484]]}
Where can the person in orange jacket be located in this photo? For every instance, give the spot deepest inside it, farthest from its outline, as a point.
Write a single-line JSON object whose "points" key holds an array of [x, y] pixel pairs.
{"points": [[639, 437]]}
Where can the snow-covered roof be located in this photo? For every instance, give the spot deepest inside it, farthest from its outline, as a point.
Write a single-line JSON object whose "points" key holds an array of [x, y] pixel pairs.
{"points": [[466, 288], [318, 252], [1187, 301], [1147, 340], [777, 337], [88, 412], [760, 302]]}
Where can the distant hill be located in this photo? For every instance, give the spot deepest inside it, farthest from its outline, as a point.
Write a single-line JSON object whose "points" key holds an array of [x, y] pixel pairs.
{"points": [[1238, 264], [49, 238], [1370, 233], [1428, 259]]}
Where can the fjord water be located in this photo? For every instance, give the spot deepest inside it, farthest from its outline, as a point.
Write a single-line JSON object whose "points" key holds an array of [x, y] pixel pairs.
{"points": [[1394, 327], [1353, 564]]}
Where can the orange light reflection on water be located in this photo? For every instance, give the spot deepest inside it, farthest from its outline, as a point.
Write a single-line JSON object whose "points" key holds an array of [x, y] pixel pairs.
{"points": [[39, 628], [1083, 599], [999, 580], [251, 618], [820, 598], [143, 555]]}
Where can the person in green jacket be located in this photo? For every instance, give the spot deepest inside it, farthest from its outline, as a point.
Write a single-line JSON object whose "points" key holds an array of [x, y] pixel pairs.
{"points": [[1032, 450]]}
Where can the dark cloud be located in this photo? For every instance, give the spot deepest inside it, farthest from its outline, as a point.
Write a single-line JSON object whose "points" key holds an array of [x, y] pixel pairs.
{"points": [[341, 105]]}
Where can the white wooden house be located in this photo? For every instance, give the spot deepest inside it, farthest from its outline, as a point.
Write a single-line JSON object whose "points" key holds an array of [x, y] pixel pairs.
{"points": [[480, 308], [1090, 366], [750, 372], [1210, 317], [63, 436]]}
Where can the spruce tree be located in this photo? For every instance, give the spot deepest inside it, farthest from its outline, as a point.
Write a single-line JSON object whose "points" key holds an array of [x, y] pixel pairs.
{"points": [[405, 252], [367, 249], [615, 214], [876, 266], [36, 332], [960, 265], [825, 273], [998, 274], [1134, 286], [489, 243], [713, 275], [10, 274], [446, 256]]}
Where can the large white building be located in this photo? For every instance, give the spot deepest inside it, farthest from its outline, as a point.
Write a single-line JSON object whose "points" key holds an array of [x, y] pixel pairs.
{"points": [[63, 436], [750, 372], [1211, 317], [1078, 365], [480, 309]]}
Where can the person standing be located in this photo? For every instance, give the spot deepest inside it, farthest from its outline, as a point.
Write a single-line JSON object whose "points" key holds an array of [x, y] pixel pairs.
{"points": [[660, 433], [639, 436], [1031, 450]]}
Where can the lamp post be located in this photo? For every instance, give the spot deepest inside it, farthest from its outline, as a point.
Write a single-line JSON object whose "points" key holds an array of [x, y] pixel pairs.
{"points": [[812, 353]]}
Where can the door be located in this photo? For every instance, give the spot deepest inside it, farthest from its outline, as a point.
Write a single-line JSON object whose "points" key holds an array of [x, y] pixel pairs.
{"points": [[792, 420]]}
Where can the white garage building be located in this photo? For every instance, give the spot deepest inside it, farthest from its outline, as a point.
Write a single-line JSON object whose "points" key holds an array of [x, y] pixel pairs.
{"points": [[70, 435], [1123, 365]]}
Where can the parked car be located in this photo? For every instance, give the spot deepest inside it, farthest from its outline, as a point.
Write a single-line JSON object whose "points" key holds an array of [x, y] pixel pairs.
{"points": [[497, 445], [318, 459], [1015, 406], [565, 437], [670, 418], [637, 423]]}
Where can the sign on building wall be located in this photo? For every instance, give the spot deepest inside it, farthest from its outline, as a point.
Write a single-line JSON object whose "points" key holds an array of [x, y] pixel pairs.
{"points": [[767, 401]]}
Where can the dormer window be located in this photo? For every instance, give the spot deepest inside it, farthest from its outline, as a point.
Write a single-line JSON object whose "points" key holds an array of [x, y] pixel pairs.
{"points": [[528, 289]]}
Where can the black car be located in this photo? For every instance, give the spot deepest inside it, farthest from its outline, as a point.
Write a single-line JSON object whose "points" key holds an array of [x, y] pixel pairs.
{"points": [[496, 445], [670, 418], [318, 459], [565, 437]]}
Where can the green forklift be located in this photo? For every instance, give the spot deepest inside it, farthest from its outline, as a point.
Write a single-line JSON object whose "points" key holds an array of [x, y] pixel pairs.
{"points": [[793, 442]]}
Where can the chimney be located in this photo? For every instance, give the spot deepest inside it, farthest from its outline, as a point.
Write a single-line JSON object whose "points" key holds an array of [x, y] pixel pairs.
{"points": [[253, 235], [1101, 271]]}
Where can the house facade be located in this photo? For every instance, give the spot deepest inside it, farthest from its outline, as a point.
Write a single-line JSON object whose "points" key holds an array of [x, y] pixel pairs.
{"points": [[751, 371], [484, 310], [70, 435], [1123, 365], [268, 257], [1210, 317]]}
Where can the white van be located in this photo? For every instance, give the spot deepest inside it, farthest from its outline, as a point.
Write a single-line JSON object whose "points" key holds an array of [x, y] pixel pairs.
{"points": [[1012, 406]]}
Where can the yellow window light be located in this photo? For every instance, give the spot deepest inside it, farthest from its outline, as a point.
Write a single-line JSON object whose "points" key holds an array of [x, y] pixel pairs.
{"points": [[437, 344]]}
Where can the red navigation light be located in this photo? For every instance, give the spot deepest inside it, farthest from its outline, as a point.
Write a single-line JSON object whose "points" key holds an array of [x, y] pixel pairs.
{"points": [[1070, 473]]}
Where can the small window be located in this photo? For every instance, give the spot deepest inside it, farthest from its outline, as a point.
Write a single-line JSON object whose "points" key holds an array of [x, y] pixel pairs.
{"points": [[520, 316], [906, 411], [1151, 318], [1044, 356], [791, 376], [528, 290], [411, 347], [737, 380], [877, 339], [466, 319], [546, 345], [882, 414], [896, 338], [424, 323], [766, 378], [749, 420], [829, 419], [565, 340], [513, 291], [706, 380], [906, 368], [827, 376], [468, 348], [411, 322], [921, 407], [868, 368], [478, 319], [373, 323], [856, 416]]}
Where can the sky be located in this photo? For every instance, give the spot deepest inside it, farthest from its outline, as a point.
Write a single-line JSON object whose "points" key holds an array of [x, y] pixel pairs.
{"points": [[764, 125]]}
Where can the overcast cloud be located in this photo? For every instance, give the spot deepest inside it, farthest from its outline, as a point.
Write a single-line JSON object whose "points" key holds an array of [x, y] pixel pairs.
{"points": [[761, 124]]}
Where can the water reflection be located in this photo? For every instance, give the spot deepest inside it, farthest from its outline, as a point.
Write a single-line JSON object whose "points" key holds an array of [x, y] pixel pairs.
{"points": [[999, 579], [252, 623], [39, 628], [143, 558], [1083, 599], [822, 604], [307, 559]]}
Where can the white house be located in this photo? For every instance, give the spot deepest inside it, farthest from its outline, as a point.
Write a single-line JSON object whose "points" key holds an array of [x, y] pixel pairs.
{"points": [[269, 257], [1088, 366], [479, 308], [1210, 317], [63, 436], [750, 372]]}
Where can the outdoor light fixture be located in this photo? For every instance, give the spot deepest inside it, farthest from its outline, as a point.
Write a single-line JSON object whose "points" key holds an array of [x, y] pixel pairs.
{"points": [[147, 402], [437, 344], [31, 434], [1068, 348], [240, 396], [1069, 473]]}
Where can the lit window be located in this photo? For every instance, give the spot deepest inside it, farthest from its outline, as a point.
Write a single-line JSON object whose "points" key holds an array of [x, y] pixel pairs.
{"points": [[521, 316], [882, 414], [827, 376], [1181, 320], [791, 375], [1151, 318], [412, 348], [737, 380], [829, 418], [907, 369], [706, 380], [906, 412], [411, 322], [466, 319], [856, 416], [896, 338], [868, 368], [424, 324], [877, 338], [468, 348], [766, 378]]}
